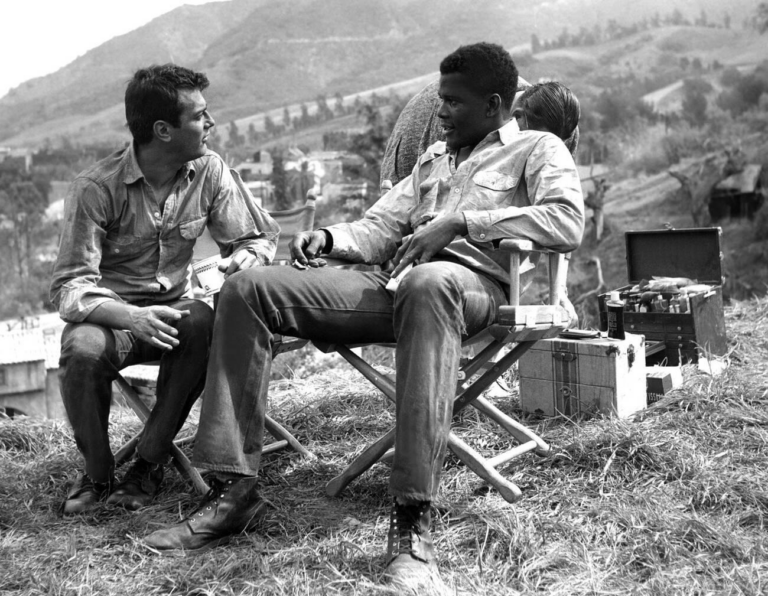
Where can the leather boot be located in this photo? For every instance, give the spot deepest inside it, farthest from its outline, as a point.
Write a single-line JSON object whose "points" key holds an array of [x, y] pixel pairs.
{"points": [[85, 494], [231, 507], [411, 565], [139, 486]]}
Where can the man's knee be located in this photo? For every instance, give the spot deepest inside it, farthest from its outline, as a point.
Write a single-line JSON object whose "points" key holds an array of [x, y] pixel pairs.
{"points": [[86, 343], [198, 322], [428, 282]]}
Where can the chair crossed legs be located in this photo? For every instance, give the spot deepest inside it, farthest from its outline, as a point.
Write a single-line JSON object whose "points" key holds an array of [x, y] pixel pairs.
{"points": [[521, 325]]}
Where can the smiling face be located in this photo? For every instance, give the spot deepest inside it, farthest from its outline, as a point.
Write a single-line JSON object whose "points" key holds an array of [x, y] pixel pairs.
{"points": [[464, 113], [189, 138]]}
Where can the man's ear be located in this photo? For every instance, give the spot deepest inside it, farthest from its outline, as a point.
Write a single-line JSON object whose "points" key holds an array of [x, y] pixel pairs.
{"points": [[162, 130], [493, 105]]}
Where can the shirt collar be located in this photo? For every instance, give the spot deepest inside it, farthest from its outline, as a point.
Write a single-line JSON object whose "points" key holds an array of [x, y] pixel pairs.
{"points": [[508, 132], [133, 172], [505, 135]]}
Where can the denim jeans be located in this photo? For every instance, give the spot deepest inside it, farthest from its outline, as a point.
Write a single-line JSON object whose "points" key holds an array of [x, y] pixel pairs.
{"points": [[92, 355], [436, 306]]}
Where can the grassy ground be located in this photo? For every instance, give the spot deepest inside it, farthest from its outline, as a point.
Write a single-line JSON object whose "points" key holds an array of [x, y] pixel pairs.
{"points": [[672, 501]]}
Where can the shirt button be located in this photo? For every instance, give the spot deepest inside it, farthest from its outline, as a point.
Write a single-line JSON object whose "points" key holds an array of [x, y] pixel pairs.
{"points": [[117, 250], [157, 214], [457, 190], [482, 236]]}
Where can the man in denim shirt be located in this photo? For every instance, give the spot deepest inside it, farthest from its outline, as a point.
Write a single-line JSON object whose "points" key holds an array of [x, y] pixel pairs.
{"points": [[130, 225], [489, 180]]}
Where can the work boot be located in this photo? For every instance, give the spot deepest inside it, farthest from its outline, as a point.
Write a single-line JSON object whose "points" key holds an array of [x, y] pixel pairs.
{"points": [[231, 507], [411, 566], [139, 486], [85, 494]]}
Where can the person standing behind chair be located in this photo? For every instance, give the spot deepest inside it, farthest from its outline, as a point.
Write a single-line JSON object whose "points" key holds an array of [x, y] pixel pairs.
{"points": [[130, 225], [487, 181]]}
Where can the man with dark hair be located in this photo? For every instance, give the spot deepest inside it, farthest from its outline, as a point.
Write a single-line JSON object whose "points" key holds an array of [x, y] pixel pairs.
{"points": [[487, 181], [121, 277]]}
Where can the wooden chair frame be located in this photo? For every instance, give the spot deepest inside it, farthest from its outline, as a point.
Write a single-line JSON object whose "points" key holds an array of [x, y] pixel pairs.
{"points": [[130, 385], [522, 325]]}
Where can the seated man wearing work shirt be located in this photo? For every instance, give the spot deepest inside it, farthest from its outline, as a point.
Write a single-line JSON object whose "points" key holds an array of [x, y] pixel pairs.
{"points": [[487, 181], [130, 225]]}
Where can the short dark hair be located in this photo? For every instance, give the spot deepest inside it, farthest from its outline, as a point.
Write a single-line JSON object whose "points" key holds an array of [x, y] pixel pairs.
{"points": [[552, 106], [153, 94], [490, 67]]}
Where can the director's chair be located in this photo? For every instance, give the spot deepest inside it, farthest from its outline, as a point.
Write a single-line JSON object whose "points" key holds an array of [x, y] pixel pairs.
{"points": [[520, 325], [138, 383]]}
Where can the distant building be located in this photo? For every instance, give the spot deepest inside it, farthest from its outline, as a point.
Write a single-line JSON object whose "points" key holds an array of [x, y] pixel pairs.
{"points": [[17, 158], [739, 195], [29, 362]]}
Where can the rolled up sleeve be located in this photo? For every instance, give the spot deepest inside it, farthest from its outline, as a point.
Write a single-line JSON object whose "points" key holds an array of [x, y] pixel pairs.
{"points": [[375, 238], [74, 285], [236, 221]]}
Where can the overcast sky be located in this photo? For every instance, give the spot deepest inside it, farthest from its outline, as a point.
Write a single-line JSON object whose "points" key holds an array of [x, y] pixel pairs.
{"points": [[40, 36]]}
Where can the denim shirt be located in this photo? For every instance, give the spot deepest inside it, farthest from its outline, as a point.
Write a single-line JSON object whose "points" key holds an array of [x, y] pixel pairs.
{"points": [[515, 184], [118, 244]]}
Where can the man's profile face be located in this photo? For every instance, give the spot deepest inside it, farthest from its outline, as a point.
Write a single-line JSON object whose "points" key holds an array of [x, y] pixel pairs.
{"points": [[189, 138], [463, 112]]}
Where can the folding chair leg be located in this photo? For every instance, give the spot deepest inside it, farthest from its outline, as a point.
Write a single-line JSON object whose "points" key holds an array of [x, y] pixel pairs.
{"points": [[475, 462], [362, 462], [180, 461], [284, 437], [513, 427], [126, 451]]}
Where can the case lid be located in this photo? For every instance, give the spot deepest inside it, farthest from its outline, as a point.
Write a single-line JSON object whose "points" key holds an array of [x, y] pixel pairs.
{"points": [[689, 252]]}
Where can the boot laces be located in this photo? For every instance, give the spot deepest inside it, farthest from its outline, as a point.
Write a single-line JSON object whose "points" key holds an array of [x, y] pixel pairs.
{"points": [[405, 526], [211, 499]]}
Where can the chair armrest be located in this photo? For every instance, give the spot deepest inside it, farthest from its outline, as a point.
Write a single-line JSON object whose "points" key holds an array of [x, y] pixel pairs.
{"points": [[558, 268]]}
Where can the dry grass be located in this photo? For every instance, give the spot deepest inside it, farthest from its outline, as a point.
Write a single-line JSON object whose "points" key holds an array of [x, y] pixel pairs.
{"points": [[673, 501]]}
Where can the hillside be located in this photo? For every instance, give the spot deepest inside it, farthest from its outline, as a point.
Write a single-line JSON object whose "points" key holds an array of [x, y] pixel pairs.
{"points": [[261, 55]]}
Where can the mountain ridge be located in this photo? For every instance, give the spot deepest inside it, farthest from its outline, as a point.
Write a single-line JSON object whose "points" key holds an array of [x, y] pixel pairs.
{"points": [[260, 55]]}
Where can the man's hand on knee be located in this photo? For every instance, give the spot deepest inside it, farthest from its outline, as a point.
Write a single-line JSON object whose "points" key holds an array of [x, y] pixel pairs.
{"points": [[154, 325], [429, 240], [305, 246], [239, 261]]}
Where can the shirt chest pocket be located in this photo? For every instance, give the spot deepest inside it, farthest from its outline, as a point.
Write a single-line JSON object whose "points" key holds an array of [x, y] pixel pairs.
{"points": [[493, 189], [120, 248], [193, 228]]}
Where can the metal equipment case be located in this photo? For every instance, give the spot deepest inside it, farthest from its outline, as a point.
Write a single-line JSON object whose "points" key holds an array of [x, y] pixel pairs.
{"points": [[574, 377]]}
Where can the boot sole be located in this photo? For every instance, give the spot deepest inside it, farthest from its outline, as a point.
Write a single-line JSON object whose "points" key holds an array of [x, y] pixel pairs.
{"points": [[182, 552]]}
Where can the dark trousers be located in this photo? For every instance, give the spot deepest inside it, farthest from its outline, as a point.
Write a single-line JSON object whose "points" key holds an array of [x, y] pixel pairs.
{"points": [[92, 355], [436, 305]]}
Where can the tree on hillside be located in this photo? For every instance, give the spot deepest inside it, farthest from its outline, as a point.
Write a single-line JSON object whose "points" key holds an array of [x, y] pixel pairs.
{"points": [[286, 118], [761, 17], [235, 139], [694, 104], [269, 126], [279, 180], [535, 44], [23, 205], [253, 135], [338, 106]]}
